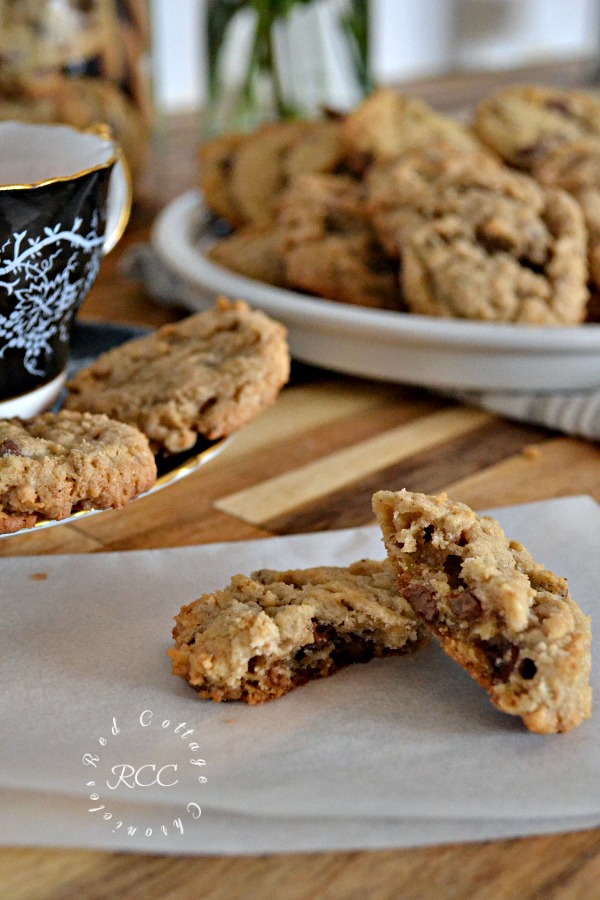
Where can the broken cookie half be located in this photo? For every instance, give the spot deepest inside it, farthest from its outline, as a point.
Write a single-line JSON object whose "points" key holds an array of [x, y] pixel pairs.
{"points": [[264, 635], [506, 619]]}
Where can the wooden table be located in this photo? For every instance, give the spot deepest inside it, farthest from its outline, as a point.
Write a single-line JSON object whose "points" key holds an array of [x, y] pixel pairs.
{"points": [[321, 446]]}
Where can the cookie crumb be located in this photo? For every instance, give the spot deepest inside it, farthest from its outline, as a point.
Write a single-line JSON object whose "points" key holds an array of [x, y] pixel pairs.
{"points": [[531, 451]]}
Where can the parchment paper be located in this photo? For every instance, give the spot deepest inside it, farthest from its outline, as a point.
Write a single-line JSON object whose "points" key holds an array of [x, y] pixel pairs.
{"points": [[396, 752]]}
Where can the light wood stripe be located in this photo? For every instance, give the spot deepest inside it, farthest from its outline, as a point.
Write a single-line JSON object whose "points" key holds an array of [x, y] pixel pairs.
{"points": [[277, 496], [299, 409]]}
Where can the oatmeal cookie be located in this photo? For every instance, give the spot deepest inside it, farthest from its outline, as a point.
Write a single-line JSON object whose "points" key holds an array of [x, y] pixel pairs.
{"points": [[574, 166], [524, 123], [216, 162], [506, 619], [482, 242], [209, 374], [58, 463], [319, 149], [269, 157], [388, 124], [329, 246], [265, 635], [253, 252], [426, 183], [242, 175]]}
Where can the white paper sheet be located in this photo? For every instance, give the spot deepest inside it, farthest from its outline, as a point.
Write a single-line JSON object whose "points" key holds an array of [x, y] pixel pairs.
{"points": [[398, 752]]}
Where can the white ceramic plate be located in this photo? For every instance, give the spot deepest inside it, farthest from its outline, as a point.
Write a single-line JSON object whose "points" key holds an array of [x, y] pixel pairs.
{"points": [[401, 347]]}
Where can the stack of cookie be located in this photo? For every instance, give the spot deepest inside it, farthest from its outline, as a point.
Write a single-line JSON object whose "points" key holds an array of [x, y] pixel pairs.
{"points": [[79, 63], [206, 376], [400, 207], [507, 620]]}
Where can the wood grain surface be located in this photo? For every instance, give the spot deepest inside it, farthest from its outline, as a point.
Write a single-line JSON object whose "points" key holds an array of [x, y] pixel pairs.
{"points": [[313, 462]]}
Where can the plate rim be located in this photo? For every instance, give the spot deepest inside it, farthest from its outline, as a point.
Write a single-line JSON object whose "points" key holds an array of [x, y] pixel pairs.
{"points": [[171, 238]]}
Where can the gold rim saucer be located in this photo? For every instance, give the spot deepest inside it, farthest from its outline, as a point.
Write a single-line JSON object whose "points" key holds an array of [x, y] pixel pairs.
{"points": [[167, 476]]}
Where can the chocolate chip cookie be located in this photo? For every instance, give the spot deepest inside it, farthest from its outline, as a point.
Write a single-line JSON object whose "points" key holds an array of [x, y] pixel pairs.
{"points": [[388, 124], [264, 635], [216, 162], [329, 246], [575, 167], [253, 252], [524, 123], [58, 463], [479, 241], [511, 623], [426, 183], [208, 375]]}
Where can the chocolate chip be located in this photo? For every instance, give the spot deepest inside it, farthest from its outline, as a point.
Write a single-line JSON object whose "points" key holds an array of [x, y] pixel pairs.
{"points": [[560, 106], [8, 447], [422, 599], [502, 656], [527, 669], [530, 152], [465, 606], [453, 568]]}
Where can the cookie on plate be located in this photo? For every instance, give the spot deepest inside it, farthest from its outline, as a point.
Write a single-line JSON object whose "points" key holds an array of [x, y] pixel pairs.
{"points": [[242, 175], [479, 241], [216, 163], [329, 246], [208, 375], [268, 158], [253, 252], [574, 166], [58, 463], [426, 183], [388, 124], [264, 635], [511, 623], [524, 123]]}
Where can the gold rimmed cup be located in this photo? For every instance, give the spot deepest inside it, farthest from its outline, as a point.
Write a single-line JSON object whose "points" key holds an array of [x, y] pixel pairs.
{"points": [[65, 199]]}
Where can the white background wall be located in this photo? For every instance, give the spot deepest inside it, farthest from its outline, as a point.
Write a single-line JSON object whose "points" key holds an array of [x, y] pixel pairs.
{"points": [[410, 38]]}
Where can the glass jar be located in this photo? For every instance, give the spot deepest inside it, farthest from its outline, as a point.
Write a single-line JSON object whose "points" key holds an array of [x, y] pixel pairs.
{"points": [[277, 59], [78, 62]]}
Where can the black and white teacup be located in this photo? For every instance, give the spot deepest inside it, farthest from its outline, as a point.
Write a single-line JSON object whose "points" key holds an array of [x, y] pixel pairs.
{"points": [[65, 198]]}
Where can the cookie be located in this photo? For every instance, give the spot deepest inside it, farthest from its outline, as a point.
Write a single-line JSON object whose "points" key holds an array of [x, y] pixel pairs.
{"points": [[524, 123], [480, 241], [408, 192], [507, 620], [329, 246], [388, 124], [259, 173], [264, 635], [208, 375], [318, 149], [216, 162], [58, 463], [253, 252], [575, 167]]}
